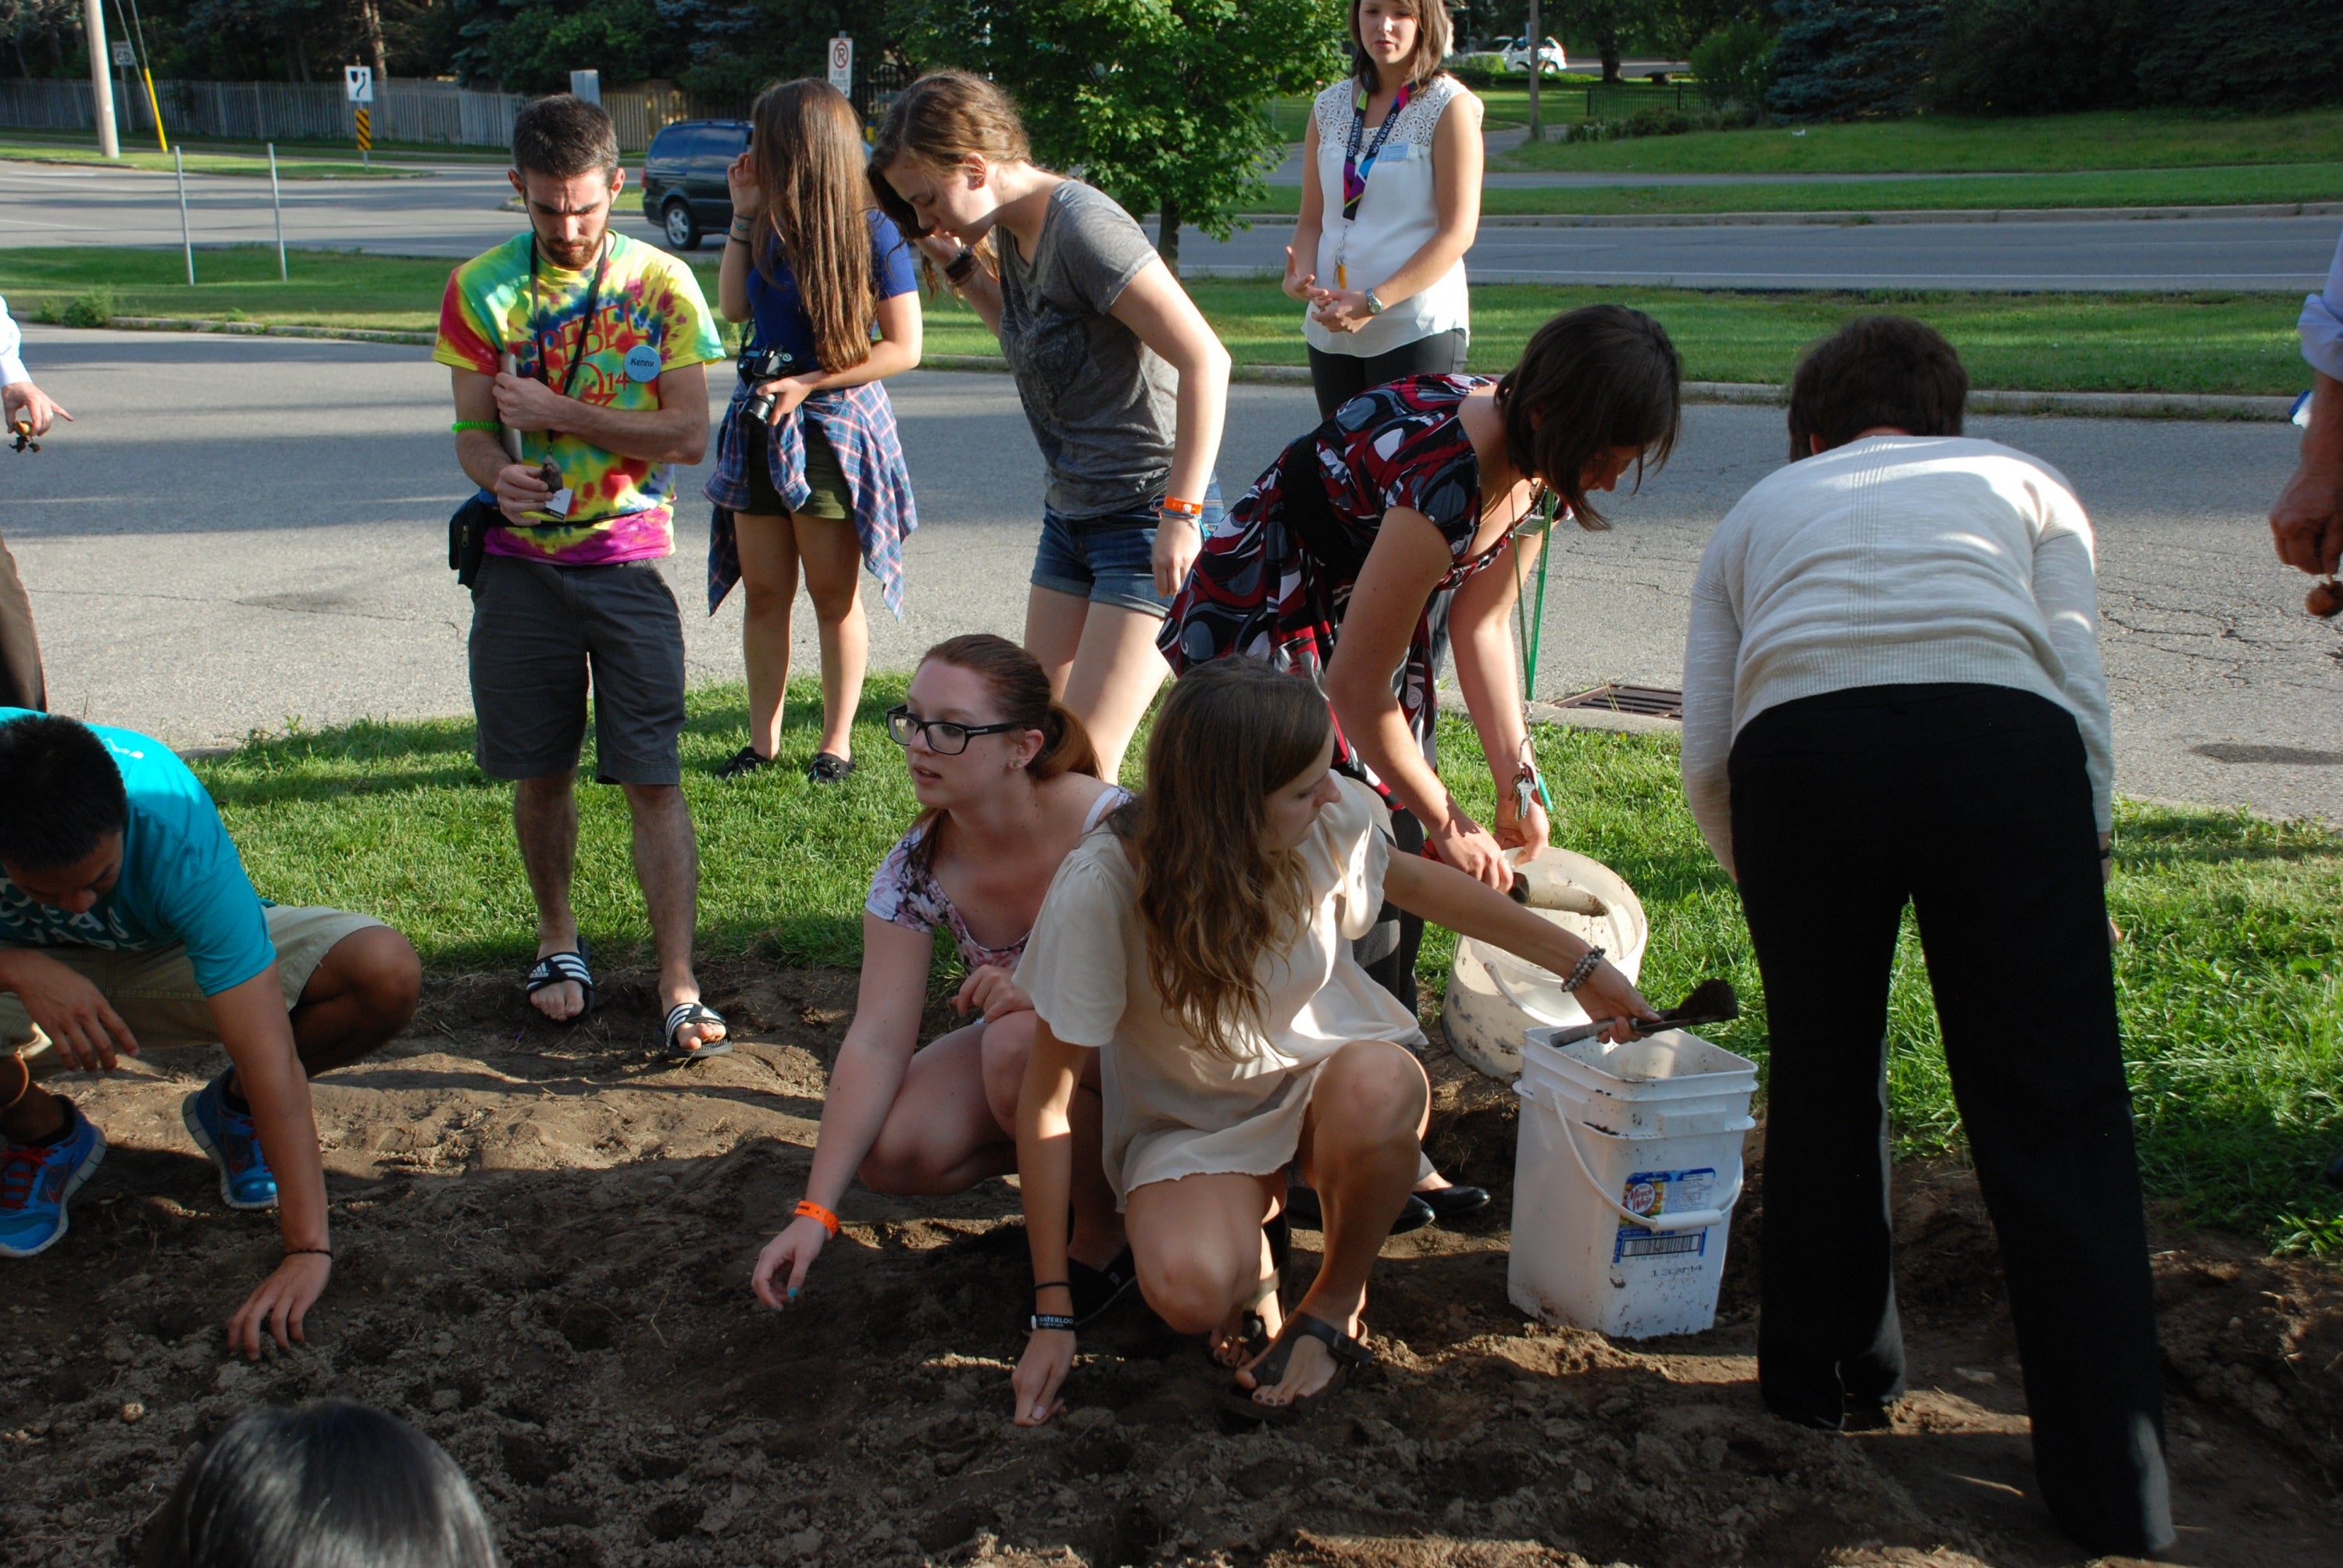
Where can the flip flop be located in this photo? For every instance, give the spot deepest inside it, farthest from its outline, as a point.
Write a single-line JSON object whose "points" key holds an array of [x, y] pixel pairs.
{"points": [[556, 969], [685, 1012], [1270, 1371]]}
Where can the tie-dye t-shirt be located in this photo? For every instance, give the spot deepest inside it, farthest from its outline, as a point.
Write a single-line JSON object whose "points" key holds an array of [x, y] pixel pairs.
{"points": [[648, 318]]}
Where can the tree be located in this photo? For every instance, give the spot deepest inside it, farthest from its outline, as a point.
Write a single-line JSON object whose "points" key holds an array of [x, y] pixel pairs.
{"points": [[1846, 59], [1161, 104]]}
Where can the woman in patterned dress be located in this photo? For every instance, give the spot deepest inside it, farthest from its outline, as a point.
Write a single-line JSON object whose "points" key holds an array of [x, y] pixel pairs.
{"points": [[1395, 528], [1009, 784]]}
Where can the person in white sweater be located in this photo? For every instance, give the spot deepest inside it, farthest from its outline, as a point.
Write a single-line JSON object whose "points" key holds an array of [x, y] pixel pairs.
{"points": [[1892, 696]]}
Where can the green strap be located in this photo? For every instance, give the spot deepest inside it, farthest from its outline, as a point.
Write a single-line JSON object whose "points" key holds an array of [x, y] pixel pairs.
{"points": [[1530, 635]]}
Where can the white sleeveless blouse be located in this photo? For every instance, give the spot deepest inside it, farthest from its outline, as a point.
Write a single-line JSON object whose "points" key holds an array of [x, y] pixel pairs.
{"points": [[1396, 216]]}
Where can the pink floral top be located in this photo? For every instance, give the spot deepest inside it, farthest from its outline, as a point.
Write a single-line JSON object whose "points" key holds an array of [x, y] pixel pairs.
{"points": [[903, 895]]}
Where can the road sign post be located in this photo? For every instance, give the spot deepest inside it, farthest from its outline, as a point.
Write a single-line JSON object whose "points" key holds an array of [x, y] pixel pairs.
{"points": [[276, 201], [841, 63], [357, 85], [1535, 43], [101, 84], [186, 239]]}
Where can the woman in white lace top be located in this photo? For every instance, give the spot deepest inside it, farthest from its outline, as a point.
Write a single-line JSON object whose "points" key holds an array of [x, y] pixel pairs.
{"points": [[1390, 200]]}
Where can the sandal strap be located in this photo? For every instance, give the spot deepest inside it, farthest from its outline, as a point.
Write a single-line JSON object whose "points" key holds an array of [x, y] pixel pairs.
{"points": [[1270, 1371], [685, 1012], [554, 969]]}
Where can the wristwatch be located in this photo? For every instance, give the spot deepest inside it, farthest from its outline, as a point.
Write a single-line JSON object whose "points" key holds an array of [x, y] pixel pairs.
{"points": [[1374, 306]]}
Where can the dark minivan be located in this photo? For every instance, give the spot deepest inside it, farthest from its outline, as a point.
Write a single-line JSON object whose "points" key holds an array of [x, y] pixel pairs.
{"points": [[684, 191]]}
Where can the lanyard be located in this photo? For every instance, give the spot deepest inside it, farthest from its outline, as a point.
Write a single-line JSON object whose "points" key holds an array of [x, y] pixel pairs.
{"points": [[585, 322], [1355, 168]]}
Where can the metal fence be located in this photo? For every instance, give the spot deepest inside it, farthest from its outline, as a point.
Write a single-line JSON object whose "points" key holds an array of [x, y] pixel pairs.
{"points": [[404, 110]]}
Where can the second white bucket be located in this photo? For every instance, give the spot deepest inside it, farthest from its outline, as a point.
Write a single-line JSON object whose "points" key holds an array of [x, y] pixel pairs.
{"points": [[1624, 1178]]}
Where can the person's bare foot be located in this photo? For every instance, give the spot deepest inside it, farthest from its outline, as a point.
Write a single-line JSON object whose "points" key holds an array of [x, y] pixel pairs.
{"points": [[1310, 1366], [1227, 1343], [564, 1000], [691, 1036]]}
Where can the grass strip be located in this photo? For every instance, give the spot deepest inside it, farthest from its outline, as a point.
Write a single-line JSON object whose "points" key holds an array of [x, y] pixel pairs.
{"points": [[2232, 1008], [2202, 343], [1942, 143], [201, 163], [2216, 187]]}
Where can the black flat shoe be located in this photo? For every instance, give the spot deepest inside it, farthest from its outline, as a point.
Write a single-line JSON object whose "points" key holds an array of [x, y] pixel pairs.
{"points": [[1096, 1290], [828, 768], [1448, 1204], [744, 761], [1301, 1209]]}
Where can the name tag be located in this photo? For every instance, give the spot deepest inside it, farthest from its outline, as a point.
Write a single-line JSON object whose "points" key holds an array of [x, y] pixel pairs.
{"points": [[643, 362]]}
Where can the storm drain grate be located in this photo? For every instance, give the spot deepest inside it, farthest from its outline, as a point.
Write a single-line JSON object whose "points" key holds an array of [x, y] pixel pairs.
{"points": [[1651, 701]]}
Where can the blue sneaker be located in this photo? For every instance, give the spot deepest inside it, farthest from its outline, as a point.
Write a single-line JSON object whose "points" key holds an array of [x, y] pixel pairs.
{"points": [[36, 1180], [227, 1136]]}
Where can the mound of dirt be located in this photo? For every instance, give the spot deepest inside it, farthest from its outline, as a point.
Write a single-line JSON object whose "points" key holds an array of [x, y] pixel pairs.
{"points": [[545, 1236]]}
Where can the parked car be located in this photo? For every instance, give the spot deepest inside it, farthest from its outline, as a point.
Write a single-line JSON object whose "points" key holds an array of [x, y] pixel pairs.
{"points": [[1516, 51], [684, 189]]}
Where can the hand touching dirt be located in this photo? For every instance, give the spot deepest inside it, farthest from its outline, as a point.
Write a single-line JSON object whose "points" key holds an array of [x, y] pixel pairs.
{"points": [[1041, 1373], [277, 1308], [69, 1009], [785, 1260]]}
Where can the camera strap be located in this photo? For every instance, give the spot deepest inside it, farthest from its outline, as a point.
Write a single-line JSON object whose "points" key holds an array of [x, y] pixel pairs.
{"points": [[585, 322]]}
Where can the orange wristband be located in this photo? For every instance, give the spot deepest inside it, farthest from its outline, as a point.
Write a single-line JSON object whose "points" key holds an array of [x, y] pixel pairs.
{"points": [[1182, 508], [807, 1206]]}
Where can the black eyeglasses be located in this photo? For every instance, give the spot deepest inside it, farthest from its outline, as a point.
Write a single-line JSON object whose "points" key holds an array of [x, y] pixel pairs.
{"points": [[944, 738]]}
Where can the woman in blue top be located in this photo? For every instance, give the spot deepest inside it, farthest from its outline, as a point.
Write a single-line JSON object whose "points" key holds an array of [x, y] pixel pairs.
{"points": [[816, 481]]}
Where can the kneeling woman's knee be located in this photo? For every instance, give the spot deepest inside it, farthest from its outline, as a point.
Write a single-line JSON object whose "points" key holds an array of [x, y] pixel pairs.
{"points": [[1191, 1292], [1006, 1048], [1373, 1083]]}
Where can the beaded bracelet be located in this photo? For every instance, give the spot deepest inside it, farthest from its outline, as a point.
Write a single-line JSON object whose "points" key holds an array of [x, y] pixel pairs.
{"points": [[1583, 969], [460, 426], [807, 1206]]}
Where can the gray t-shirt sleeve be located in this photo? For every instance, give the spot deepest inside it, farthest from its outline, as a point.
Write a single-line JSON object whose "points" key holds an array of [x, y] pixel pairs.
{"points": [[1099, 248]]}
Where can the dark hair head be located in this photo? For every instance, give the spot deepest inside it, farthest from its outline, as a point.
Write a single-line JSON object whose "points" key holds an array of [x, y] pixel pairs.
{"points": [[808, 154], [1592, 380], [1875, 370], [1433, 35], [331, 1484], [564, 136], [1020, 689], [62, 790]]}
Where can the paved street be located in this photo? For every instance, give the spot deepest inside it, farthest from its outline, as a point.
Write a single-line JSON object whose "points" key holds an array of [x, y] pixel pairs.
{"points": [[455, 212], [241, 531]]}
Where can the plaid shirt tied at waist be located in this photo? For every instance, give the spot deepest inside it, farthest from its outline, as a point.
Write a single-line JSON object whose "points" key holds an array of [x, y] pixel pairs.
{"points": [[859, 422]]}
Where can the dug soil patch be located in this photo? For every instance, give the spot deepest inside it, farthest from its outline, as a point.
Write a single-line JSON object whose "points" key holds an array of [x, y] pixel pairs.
{"points": [[545, 1237]]}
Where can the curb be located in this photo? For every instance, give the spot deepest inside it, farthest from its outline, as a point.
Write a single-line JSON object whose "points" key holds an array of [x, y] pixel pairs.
{"points": [[1854, 218], [2101, 405], [1603, 719]]}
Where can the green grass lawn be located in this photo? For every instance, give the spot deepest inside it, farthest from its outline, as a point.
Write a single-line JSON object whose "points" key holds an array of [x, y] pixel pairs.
{"points": [[289, 166], [1931, 144], [2233, 1012], [2242, 343]]}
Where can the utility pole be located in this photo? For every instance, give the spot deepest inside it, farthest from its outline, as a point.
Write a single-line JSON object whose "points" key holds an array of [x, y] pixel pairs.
{"points": [[101, 80], [1534, 43]]}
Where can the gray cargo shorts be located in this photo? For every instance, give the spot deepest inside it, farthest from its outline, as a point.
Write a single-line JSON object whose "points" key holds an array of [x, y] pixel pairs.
{"points": [[538, 631]]}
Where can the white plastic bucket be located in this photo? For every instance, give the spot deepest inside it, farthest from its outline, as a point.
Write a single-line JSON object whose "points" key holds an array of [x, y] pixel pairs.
{"points": [[1494, 997], [1624, 1178]]}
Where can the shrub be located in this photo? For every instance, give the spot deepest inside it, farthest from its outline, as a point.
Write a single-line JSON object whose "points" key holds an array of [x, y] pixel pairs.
{"points": [[1734, 65], [90, 307], [1846, 59], [2037, 56]]}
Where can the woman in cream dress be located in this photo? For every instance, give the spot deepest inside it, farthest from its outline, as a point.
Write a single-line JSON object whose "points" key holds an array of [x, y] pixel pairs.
{"points": [[1237, 1035]]}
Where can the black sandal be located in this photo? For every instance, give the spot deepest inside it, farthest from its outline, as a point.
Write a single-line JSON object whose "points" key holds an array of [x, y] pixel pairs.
{"points": [[1270, 1371], [559, 968], [696, 1011]]}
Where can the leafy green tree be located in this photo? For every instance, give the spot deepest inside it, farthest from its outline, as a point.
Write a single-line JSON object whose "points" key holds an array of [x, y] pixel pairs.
{"points": [[1161, 104], [1735, 66], [1850, 59]]}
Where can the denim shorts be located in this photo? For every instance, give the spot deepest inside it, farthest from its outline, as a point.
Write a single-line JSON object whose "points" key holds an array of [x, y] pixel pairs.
{"points": [[1109, 558]]}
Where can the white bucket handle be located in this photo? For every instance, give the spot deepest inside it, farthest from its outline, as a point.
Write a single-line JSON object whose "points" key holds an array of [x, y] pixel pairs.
{"points": [[1507, 992], [1690, 1219]]}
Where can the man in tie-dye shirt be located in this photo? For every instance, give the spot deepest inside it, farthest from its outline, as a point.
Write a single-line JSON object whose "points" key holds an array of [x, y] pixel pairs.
{"points": [[593, 346]]}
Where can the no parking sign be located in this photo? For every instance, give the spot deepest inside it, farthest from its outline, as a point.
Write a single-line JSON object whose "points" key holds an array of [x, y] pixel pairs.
{"points": [[841, 63]]}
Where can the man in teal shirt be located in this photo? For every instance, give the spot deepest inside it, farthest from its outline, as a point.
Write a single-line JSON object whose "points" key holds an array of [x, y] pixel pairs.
{"points": [[126, 916]]}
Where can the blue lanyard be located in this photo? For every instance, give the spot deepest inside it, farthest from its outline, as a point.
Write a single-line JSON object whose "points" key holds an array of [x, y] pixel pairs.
{"points": [[1356, 169]]}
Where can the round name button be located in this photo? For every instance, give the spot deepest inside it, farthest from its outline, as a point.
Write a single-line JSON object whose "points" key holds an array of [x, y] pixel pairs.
{"points": [[643, 362]]}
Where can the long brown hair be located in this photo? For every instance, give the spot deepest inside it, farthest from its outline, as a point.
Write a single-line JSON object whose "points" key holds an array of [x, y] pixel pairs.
{"points": [[1214, 893], [1433, 36], [1020, 691], [937, 122], [808, 154], [1599, 377]]}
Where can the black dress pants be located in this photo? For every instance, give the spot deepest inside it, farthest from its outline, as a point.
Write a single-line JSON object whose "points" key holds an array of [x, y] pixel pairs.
{"points": [[1970, 802], [1337, 378], [1387, 952]]}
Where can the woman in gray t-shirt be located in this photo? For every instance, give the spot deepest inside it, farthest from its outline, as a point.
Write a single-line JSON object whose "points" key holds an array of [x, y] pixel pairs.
{"points": [[1122, 380]]}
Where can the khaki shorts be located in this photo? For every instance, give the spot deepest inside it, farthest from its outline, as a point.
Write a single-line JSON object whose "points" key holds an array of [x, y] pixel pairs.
{"points": [[154, 989]]}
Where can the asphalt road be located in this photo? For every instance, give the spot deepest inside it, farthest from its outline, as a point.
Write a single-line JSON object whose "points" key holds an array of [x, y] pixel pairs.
{"points": [[455, 212], [241, 531]]}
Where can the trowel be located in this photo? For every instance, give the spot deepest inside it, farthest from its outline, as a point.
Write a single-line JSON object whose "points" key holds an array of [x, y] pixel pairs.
{"points": [[1711, 1002]]}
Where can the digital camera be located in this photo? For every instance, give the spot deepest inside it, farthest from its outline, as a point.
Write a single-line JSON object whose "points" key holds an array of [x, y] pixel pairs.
{"points": [[765, 365]]}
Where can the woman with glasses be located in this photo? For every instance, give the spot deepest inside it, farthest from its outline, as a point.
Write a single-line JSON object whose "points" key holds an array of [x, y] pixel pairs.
{"points": [[1008, 783]]}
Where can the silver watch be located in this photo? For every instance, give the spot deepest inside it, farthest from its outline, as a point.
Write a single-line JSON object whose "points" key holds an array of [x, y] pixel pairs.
{"points": [[1374, 306]]}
